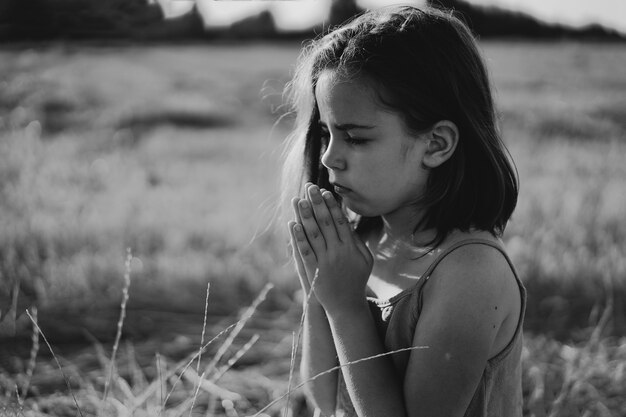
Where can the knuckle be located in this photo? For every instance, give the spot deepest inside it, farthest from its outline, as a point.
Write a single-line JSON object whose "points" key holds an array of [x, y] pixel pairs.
{"points": [[324, 221]]}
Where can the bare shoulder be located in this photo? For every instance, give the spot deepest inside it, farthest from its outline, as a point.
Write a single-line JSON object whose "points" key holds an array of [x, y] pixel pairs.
{"points": [[475, 264], [476, 279]]}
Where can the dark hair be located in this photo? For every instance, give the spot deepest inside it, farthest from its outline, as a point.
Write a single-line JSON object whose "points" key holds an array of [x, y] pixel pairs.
{"points": [[427, 67]]}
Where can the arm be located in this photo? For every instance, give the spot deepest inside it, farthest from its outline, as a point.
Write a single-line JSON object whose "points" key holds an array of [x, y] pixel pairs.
{"points": [[344, 265], [318, 355], [467, 301], [373, 385]]}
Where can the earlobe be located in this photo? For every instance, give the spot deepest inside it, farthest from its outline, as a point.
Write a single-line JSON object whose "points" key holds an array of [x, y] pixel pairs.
{"points": [[442, 141]]}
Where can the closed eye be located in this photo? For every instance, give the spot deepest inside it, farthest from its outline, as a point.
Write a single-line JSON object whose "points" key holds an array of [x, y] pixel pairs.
{"points": [[325, 139], [355, 141]]}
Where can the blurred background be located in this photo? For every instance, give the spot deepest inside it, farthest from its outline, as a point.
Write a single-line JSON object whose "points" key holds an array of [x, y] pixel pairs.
{"points": [[157, 126]]}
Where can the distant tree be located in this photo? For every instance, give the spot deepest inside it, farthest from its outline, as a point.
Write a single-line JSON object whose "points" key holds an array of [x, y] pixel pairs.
{"points": [[25, 19], [261, 25], [488, 21], [44, 19], [341, 11], [189, 25]]}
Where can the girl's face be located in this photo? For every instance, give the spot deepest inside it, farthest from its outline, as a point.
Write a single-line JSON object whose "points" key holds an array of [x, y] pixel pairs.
{"points": [[373, 161]]}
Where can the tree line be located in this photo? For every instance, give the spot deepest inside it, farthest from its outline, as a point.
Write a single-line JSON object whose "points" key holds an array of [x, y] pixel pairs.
{"points": [[142, 20]]}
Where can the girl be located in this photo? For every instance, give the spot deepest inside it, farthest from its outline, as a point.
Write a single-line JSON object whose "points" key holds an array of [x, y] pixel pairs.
{"points": [[396, 128]]}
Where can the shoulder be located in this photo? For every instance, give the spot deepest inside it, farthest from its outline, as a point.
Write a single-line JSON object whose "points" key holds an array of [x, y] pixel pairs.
{"points": [[474, 275], [473, 254], [475, 261]]}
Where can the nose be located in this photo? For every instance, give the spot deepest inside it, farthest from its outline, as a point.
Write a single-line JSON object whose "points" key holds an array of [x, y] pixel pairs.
{"points": [[332, 157]]}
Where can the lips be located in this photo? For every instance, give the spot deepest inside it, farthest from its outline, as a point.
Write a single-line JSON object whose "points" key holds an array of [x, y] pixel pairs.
{"points": [[341, 189]]}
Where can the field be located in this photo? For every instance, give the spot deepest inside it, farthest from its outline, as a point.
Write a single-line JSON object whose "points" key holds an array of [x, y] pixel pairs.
{"points": [[175, 151]]}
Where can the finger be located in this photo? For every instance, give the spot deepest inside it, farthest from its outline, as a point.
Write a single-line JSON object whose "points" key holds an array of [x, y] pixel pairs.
{"points": [[342, 226], [311, 264], [297, 209], [311, 229], [294, 204], [322, 215], [304, 248], [300, 268]]}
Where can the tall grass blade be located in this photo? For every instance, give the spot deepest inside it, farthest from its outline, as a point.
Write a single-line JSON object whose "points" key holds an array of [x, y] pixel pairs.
{"points": [[120, 322], [20, 401], [56, 359], [196, 391], [138, 378], [186, 363], [292, 362], [333, 369], [159, 380], [32, 360], [206, 308], [240, 324], [208, 386], [235, 358]]}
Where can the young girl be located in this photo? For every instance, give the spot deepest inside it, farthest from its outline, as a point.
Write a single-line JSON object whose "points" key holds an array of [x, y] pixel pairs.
{"points": [[396, 128]]}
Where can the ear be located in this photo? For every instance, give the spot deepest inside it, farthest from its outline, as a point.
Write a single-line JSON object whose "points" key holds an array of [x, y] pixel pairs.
{"points": [[442, 140]]}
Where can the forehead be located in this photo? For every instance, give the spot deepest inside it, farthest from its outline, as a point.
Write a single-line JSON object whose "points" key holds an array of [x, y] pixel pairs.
{"points": [[347, 100]]}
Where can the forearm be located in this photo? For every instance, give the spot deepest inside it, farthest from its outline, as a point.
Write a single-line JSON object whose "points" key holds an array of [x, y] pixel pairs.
{"points": [[373, 385], [319, 355]]}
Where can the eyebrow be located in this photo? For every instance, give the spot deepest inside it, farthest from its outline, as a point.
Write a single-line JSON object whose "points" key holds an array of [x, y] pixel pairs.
{"points": [[347, 126]]}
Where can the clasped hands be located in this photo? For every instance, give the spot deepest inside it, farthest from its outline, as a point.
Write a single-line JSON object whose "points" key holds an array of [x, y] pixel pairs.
{"points": [[331, 259]]}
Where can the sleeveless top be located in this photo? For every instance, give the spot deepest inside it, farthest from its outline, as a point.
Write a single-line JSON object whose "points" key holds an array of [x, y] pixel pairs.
{"points": [[499, 392]]}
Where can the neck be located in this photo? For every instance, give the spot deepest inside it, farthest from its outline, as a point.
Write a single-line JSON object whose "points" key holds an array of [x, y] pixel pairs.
{"points": [[399, 227]]}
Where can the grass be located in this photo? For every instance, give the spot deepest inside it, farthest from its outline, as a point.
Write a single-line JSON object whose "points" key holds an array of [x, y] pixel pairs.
{"points": [[138, 398], [171, 151]]}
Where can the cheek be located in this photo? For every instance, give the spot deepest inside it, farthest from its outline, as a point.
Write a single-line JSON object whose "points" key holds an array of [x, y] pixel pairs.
{"points": [[403, 182], [381, 161], [391, 171]]}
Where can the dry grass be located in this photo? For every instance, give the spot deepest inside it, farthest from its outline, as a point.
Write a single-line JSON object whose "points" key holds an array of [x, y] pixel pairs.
{"points": [[177, 389], [171, 151]]}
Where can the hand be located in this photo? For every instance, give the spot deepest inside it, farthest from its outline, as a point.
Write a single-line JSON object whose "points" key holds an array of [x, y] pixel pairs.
{"points": [[326, 244], [306, 272]]}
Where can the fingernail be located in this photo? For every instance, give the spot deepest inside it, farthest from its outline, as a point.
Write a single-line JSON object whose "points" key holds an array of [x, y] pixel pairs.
{"points": [[298, 227], [315, 195], [303, 204]]}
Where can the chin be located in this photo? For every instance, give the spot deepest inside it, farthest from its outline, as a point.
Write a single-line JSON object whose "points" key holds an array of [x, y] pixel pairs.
{"points": [[361, 209]]}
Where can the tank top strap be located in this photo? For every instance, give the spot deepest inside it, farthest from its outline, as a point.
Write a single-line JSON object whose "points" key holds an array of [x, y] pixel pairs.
{"points": [[465, 242]]}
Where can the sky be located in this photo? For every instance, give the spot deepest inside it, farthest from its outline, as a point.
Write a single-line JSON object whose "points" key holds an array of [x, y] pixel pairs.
{"points": [[294, 14]]}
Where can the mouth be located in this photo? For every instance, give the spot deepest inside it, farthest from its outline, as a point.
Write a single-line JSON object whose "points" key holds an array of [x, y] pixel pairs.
{"points": [[341, 189]]}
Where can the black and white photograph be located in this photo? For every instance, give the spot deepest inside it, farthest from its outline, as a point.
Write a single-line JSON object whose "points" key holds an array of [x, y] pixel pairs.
{"points": [[312, 208]]}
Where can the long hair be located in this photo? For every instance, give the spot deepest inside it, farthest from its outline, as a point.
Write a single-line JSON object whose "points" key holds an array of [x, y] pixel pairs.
{"points": [[424, 64]]}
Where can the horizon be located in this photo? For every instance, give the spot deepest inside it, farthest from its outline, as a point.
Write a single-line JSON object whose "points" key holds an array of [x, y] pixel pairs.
{"points": [[300, 14]]}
